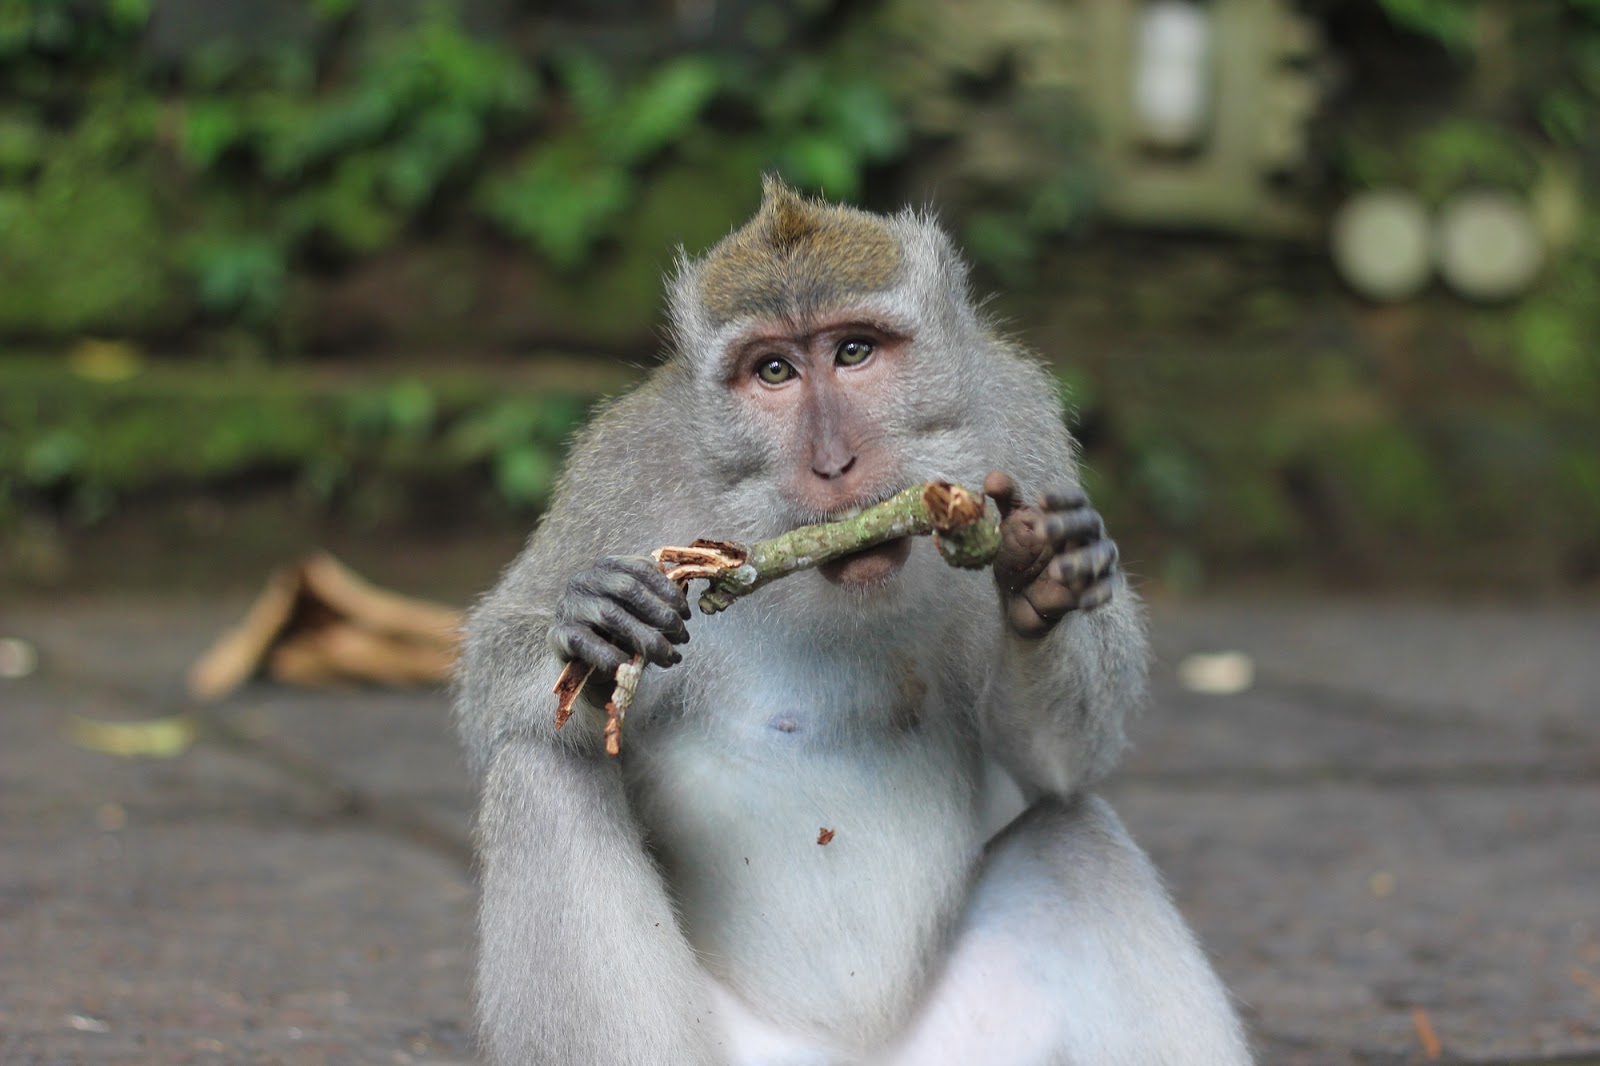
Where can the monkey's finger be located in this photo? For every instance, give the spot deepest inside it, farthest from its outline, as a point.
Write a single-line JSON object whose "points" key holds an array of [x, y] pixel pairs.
{"points": [[1001, 488], [1050, 600], [578, 643], [629, 633], [649, 574], [624, 588], [1064, 500], [1084, 565], [1080, 525], [1025, 620], [1097, 595]]}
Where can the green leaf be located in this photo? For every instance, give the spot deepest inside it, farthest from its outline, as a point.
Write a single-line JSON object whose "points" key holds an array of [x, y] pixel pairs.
{"points": [[301, 137], [349, 208], [589, 86], [561, 201], [861, 115], [1564, 116], [22, 145], [333, 10], [243, 275], [1447, 21], [819, 161], [411, 408], [211, 125], [54, 458], [670, 100], [128, 14]]}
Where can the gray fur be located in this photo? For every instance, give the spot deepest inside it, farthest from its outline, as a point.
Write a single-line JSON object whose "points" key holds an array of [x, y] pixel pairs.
{"points": [[627, 902]]}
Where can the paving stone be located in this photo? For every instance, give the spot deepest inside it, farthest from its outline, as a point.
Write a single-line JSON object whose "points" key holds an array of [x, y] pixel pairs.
{"points": [[1400, 819]]}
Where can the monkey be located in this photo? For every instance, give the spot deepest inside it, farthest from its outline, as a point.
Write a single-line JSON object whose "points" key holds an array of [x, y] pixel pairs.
{"points": [[854, 821]]}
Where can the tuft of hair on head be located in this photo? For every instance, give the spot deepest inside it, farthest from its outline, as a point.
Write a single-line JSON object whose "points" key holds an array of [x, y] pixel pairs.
{"points": [[797, 256], [789, 219]]}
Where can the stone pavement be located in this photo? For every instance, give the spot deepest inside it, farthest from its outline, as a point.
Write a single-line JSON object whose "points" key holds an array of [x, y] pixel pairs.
{"points": [[1392, 838]]}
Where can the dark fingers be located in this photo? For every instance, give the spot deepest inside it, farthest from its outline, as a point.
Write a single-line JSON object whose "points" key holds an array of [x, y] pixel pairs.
{"points": [[578, 643], [1082, 566], [640, 600], [1063, 501], [644, 569], [1078, 525]]}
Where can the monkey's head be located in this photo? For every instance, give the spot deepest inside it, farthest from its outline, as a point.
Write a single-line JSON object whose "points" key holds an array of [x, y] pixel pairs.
{"points": [[832, 348]]}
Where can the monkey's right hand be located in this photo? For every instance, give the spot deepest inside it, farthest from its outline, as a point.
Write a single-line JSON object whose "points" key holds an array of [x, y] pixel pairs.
{"points": [[621, 607]]}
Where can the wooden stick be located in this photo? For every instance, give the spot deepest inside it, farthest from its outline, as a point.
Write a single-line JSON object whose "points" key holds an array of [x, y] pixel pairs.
{"points": [[965, 527]]}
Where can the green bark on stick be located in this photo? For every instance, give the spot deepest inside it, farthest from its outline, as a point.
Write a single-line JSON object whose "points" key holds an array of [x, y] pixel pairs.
{"points": [[966, 528]]}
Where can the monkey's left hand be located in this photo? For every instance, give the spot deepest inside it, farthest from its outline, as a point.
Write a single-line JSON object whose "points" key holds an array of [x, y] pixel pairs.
{"points": [[1054, 558]]}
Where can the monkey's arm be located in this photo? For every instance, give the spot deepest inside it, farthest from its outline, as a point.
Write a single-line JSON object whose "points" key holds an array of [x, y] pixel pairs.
{"points": [[1055, 707], [580, 955], [1072, 657]]}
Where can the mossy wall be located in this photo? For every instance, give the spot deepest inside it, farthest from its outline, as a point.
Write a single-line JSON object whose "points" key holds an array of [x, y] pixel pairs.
{"points": [[325, 251]]}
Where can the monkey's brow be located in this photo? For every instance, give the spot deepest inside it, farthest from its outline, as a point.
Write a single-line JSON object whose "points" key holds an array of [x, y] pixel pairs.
{"points": [[882, 327]]}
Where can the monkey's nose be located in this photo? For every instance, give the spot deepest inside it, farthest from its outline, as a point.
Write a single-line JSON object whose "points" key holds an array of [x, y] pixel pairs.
{"points": [[828, 467]]}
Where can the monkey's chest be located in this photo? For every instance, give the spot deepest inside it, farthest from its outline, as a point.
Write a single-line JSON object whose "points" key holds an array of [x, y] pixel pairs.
{"points": [[818, 852]]}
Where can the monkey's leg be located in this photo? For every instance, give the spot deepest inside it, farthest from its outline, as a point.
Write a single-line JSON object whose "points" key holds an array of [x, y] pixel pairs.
{"points": [[1072, 954], [580, 960]]}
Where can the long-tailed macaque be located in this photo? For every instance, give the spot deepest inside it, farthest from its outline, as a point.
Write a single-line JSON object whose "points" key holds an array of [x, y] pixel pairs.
{"points": [[975, 904]]}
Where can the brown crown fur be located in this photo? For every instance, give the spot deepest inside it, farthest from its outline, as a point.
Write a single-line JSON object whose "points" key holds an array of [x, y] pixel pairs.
{"points": [[797, 257]]}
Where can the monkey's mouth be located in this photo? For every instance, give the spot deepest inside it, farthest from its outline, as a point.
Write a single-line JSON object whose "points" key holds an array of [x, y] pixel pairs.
{"points": [[870, 566]]}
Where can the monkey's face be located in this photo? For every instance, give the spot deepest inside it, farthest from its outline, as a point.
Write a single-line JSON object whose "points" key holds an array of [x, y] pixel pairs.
{"points": [[820, 393], [835, 344]]}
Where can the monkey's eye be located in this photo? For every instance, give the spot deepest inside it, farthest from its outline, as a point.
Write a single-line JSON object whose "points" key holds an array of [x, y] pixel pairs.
{"points": [[854, 352], [775, 371]]}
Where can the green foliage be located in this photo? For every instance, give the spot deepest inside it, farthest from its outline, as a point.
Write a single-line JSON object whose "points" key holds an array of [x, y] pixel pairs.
{"points": [[518, 439], [562, 199], [819, 126], [224, 177], [1447, 21], [1555, 335], [86, 443], [1009, 231], [1445, 157], [83, 248], [1458, 152], [241, 276]]}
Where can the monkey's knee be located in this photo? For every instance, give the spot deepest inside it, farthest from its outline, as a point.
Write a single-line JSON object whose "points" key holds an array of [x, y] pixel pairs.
{"points": [[1070, 951]]}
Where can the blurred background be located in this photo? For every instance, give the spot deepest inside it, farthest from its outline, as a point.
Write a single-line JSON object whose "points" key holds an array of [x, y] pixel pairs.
{"points": [[1317, 277]]}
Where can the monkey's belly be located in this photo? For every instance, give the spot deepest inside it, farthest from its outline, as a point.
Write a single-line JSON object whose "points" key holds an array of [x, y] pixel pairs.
{"points": [[839, 937]]}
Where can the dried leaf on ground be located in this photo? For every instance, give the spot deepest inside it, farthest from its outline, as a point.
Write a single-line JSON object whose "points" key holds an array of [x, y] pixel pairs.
{"points": [[151, 738]]}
